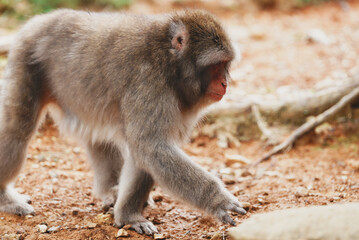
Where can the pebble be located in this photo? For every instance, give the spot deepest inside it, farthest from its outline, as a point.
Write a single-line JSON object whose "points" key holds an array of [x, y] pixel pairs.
{"points": [[53, 229], [301, 192], [290, 177], [104, 218], [228, 179], [246, 205], [354, 164], [122, 233], [318, 36], [11, 236], [76, 150], [91, 225], [158, 236], [226, 171], [232, 159], [42, 228], [75, 212]]}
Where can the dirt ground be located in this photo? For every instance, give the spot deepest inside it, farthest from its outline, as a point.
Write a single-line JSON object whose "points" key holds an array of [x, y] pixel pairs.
{"points": [[321, 169]]}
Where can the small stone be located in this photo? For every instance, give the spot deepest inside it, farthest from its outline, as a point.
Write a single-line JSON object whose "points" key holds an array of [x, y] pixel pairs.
{"points": [[42, 228], [232, 159], [76, 150], [228, 179], [222, 143], [29, 216], [256, 206], [226, 171], [75, 212], [354, 164], [262, 201], [301, 192], [290, 177], [272, 174], [246, 205], [122, 233], [333, 199], [158, 236], [91, 225], [247, 173], [104, 218], [257, 33], [53, 229], [318, 36], [11, 236]]}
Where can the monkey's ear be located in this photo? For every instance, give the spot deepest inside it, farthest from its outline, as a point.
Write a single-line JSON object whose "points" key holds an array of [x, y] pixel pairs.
{"points": [[179, 36]]}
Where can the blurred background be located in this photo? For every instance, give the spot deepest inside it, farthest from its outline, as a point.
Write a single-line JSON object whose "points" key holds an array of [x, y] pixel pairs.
{"points": [[23, 9]]}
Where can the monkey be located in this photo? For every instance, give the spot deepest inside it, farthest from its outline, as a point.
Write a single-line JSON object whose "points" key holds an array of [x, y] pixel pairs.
{"points": [[130, 88]]}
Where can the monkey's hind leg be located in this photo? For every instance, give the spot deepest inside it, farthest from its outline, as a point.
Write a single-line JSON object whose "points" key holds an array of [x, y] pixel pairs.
{"points": [[106, 160], [135, 186], [20, 109]]}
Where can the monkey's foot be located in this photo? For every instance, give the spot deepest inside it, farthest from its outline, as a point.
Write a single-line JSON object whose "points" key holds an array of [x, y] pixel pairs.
{"points": [[144, 227], [109, 199], [108, 204], [15, 203], [232, 205], [141, 226]]}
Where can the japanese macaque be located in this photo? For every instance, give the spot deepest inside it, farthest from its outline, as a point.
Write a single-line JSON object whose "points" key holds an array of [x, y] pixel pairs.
{"points": [[130, 88]]}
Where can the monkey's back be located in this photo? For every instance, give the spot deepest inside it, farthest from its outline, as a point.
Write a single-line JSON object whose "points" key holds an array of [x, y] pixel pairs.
{"points": [[85, 58]]}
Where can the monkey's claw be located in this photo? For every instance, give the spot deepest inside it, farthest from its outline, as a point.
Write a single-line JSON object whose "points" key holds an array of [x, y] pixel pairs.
{"points": [[239, 210], [229, 205], [227, 219], [144, 227], [139, 224]]}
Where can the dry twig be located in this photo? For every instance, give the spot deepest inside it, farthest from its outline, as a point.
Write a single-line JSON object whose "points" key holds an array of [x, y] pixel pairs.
{"points": [[344, 101]]}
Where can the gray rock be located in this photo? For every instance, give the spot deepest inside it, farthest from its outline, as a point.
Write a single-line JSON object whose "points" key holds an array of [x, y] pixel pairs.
{"points": [[318, 36], [331, 222]]}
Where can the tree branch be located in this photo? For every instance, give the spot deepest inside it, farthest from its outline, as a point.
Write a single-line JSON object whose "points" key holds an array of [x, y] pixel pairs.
{"points": [[344, 101]]}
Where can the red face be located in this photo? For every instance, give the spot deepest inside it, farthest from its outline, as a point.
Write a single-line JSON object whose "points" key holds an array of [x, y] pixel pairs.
{"points": [[218, 85]]}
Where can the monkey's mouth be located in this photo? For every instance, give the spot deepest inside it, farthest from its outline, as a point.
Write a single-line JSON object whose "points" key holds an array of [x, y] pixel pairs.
{"points": [[215, 96]]}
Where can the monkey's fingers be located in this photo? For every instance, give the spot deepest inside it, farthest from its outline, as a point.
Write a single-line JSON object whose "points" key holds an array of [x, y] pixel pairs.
{"points": [[144, 227], [239, 210], [227, 219]]}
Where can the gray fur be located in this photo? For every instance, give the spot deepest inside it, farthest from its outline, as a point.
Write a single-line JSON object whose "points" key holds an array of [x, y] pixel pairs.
{"points": [[117, 83]]}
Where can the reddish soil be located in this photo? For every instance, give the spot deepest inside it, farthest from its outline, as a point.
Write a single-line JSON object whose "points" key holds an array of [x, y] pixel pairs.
{"points": [[319, 170]]}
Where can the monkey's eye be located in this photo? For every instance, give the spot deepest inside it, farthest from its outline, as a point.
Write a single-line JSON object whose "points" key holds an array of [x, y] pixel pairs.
{"points": [[216, 39]]}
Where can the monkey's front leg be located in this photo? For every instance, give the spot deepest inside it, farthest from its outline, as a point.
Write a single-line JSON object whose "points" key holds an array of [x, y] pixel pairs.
{"points": [[135, 186], [174, 171]]}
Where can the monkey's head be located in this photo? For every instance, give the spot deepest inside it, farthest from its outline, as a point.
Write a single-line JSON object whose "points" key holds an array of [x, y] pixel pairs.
{"points": [[202, 54]]}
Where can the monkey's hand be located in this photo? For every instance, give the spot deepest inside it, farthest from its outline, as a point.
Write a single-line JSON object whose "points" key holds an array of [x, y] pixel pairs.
{"points": [[229, 203]]}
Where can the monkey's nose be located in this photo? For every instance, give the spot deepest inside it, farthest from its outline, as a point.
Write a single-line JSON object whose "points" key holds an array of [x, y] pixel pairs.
{"points": [[224, 83]]}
